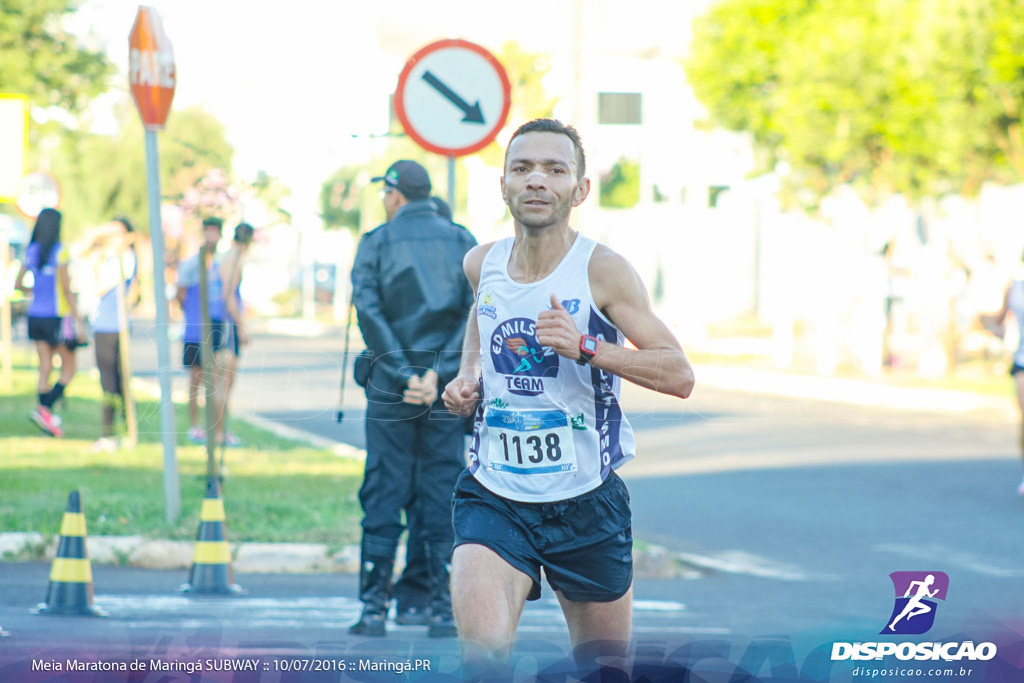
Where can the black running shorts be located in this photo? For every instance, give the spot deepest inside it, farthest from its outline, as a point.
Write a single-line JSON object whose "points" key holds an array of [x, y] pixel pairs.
{"points": [[584, 544], [191, 355], [45, 330]]}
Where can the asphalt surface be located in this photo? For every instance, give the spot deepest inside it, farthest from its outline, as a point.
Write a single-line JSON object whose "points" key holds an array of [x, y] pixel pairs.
{"points": [[773, 508]]}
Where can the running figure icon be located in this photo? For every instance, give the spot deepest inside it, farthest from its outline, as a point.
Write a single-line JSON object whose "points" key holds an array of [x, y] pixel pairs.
{"points": [[914, 606], [916, 595]]}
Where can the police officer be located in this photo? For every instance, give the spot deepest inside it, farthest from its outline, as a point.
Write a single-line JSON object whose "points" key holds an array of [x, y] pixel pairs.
{"points": [[412, 301]]}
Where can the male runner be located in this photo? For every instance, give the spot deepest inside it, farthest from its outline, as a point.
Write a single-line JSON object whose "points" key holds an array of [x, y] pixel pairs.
{"points": [[542, 361]]}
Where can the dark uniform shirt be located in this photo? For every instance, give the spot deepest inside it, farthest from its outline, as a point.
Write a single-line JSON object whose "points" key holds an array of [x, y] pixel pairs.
{"points": [[412, 297]]}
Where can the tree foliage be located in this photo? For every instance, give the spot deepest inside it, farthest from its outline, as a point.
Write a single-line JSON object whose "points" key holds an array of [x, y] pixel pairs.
{"points": [[105, 175], [529, 99], [40, 59], [340, 202], [100, 175], [620, 186], [891, 96]]}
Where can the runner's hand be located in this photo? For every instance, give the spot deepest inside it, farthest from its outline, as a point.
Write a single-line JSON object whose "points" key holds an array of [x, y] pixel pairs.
{"points": [[462, 395], [557, 329]]}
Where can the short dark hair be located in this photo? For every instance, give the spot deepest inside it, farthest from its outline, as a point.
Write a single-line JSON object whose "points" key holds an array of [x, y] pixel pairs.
{"points": [[214, 222], [554, 126], [125, 223], [243, 233]]}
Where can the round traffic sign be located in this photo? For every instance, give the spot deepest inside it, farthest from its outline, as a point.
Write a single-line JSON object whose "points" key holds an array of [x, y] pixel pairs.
{"points": [[151, 70], [452, 97]]}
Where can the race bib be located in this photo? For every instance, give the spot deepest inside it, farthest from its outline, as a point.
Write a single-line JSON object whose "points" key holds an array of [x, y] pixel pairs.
{"points": [[529, 441]]}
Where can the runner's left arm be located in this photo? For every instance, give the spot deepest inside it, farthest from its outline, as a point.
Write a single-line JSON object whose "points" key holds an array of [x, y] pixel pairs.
{"points": [[657, 362]]}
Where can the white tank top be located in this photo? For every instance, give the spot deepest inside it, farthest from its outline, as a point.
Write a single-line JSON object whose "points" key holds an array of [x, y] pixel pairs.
{"points": [[547, 428]]}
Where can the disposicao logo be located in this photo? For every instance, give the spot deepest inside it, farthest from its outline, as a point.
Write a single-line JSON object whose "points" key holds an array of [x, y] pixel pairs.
{"points": [[913, 614], [916, 595]]}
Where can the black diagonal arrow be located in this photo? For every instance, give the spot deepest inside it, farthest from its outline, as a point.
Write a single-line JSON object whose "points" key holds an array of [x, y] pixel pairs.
{"points": [[472, 111]]}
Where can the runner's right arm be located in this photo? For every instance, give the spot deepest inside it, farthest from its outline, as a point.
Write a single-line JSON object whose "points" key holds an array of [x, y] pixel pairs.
{"points": [[464, 392]]}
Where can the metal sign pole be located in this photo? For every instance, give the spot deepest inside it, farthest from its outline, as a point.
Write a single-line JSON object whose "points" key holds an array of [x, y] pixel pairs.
{"points": [[172, 494], [451, 183]]}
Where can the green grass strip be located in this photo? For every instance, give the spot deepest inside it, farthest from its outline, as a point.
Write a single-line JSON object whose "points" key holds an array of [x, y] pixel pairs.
{"points": [[276, 490]]}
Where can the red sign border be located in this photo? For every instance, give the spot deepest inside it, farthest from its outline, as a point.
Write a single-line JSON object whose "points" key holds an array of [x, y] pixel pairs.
{"points": [[400, 92]]}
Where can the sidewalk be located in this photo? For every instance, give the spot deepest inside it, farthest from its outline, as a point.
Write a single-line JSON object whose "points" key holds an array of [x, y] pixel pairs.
{"points": [[651, 561]]}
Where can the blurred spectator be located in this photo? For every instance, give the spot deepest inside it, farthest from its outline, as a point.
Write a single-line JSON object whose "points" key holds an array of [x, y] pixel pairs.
{"points": [[110, 252], [1013, 303], [231, 267], [54, 323], [196, 331]]}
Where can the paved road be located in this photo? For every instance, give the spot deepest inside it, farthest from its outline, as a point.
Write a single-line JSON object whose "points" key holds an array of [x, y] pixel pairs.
{"points": [[780, 516], [792, 512]]}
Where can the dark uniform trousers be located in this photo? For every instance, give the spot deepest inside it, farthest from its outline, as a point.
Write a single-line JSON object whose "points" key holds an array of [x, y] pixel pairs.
{"points": [[414, 455]]}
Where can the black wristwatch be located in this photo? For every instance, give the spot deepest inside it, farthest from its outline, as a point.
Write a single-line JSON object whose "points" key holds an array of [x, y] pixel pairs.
{"points": [[588, 349]]}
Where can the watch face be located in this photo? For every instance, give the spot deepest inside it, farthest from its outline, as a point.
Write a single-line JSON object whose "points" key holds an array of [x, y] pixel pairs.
{"points": [[590, 344]]}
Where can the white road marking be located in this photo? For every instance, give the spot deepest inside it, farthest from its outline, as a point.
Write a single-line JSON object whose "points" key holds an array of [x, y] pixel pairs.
{"points": [[949, 557], [740, 562], [337, 613]]}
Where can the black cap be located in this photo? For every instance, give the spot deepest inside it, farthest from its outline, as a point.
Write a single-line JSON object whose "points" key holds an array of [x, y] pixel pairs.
{"points": [[408, 177]]}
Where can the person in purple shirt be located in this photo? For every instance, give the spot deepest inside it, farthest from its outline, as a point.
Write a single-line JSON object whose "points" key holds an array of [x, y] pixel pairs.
{"points": [[52, 314], [195, 331]]}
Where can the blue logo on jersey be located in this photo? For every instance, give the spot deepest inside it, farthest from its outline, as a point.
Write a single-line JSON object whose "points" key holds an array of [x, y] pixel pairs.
{"points": [[516, 354], [571, 306]]}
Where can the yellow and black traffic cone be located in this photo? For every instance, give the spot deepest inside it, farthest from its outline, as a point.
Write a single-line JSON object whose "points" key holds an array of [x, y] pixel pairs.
{"points": [[71, 573], [211, 565]]}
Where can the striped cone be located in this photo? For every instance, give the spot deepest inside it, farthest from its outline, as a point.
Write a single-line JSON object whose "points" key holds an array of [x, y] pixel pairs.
{"points": [[211, 565], [71, 573]]}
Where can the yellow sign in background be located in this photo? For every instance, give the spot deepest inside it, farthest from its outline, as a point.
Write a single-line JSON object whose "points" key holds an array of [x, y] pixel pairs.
{"points": [[13, 144]]}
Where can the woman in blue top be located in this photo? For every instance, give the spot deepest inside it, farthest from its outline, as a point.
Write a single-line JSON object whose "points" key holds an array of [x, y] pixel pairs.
{"points": [[52, 300]]}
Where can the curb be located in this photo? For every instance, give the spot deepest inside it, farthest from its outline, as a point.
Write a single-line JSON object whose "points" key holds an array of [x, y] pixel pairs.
{"points": [[146, 553], [650, 562]]}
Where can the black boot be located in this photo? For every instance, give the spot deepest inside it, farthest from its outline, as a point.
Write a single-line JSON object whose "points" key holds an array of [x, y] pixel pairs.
{"points": [[411, 591], [441, 623], [377, 563]]}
